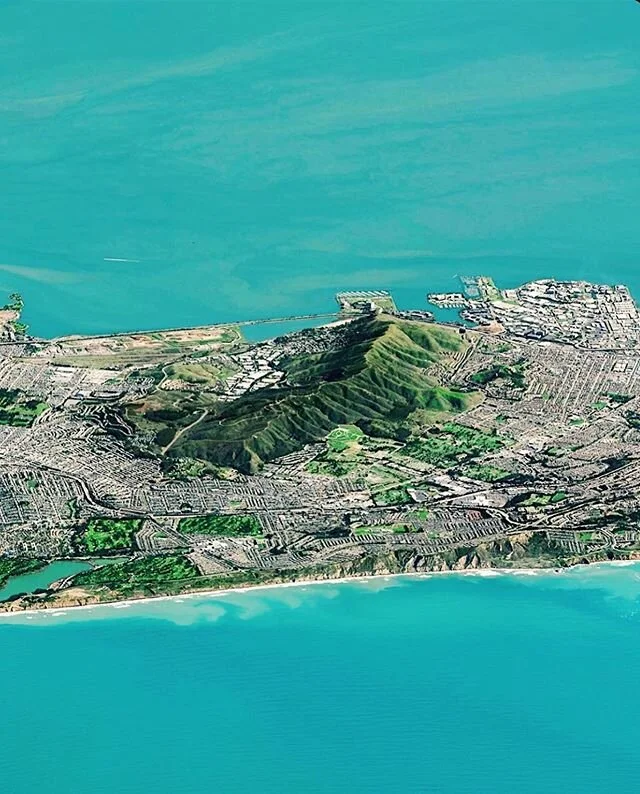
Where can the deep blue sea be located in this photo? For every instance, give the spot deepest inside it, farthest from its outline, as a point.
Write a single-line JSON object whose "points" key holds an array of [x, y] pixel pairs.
{"points": [[455, 684], [167, 163]]}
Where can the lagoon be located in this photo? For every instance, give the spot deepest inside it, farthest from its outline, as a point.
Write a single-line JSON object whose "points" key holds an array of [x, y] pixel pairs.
{"points": [[29, 582]]}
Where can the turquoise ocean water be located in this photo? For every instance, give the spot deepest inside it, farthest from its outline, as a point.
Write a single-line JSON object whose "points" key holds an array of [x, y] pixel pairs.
{"points": [[167, 163], [456, 684]]}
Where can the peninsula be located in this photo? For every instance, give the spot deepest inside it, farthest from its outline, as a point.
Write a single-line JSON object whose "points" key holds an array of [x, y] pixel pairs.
{"points": [[147, 464]]}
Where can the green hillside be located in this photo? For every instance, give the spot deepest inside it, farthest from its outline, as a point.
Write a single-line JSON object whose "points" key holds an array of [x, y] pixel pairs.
{"points": [[374, 381]]}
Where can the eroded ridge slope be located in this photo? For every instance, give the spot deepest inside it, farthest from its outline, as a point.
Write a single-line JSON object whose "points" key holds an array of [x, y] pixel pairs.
{"points": [[374, 381]]}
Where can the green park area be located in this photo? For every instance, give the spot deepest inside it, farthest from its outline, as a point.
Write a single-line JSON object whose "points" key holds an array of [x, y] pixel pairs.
{"points": [[388, 497], [396, 529], [513, 374], [197, 373], [330, 466], [452, 444], [543, 499], [342, 453], [235, 526], [343, 437], [144, 574], [376, 378], [109, 534], [484, 473], [619, 399], [16, 410], [172, 573]]}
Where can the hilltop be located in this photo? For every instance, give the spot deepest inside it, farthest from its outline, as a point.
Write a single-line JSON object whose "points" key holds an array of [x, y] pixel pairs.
{"points": [[374, 380], [192, 459]]}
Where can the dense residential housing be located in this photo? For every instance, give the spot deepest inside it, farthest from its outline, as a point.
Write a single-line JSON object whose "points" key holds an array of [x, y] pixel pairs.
{"points": [[382, 442]]}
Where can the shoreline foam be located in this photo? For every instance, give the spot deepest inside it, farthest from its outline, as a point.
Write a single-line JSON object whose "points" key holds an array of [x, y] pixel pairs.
{"points": [[220, 593]]}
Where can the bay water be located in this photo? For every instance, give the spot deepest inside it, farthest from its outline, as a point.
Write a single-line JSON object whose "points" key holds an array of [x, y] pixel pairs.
{"points": [[169, 163]]}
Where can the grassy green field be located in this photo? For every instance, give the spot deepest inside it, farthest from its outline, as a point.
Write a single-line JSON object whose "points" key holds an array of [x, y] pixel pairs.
{"points": [[109, 534], [342, 454], [198, 373], [484, 473], [234, 526], [18, 411], [343, 437], [451, 444], [542, 499]]}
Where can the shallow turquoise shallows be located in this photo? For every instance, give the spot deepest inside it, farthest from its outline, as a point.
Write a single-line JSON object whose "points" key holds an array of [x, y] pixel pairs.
{"points": [[456, 684], [167, 163]]}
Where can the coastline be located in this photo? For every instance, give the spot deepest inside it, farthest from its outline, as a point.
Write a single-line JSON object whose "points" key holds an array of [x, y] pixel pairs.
{"points": [[486, 573], [478, 559]]}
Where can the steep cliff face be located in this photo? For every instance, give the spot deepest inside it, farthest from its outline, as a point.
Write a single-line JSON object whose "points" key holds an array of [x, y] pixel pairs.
{"points": [[526, 550]]}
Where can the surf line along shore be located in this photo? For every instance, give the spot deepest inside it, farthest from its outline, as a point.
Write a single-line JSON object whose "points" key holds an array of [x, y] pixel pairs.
{"points": [[374, 580]]}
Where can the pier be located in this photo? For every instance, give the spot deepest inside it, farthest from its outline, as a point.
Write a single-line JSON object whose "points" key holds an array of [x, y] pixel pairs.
{"points": [[356, 301]]}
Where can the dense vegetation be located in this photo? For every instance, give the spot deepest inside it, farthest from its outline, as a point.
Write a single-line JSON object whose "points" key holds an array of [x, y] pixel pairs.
{"points": [[633, 418], [18, 411], [225, 526], [331, 465], [173, 574], [393, 496], [373, 381], [17, 566], [445, 447], [618, 398], [109, 534], [537, 499], [513, 374], [15, 303], [144, 574], [484, 473]]}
